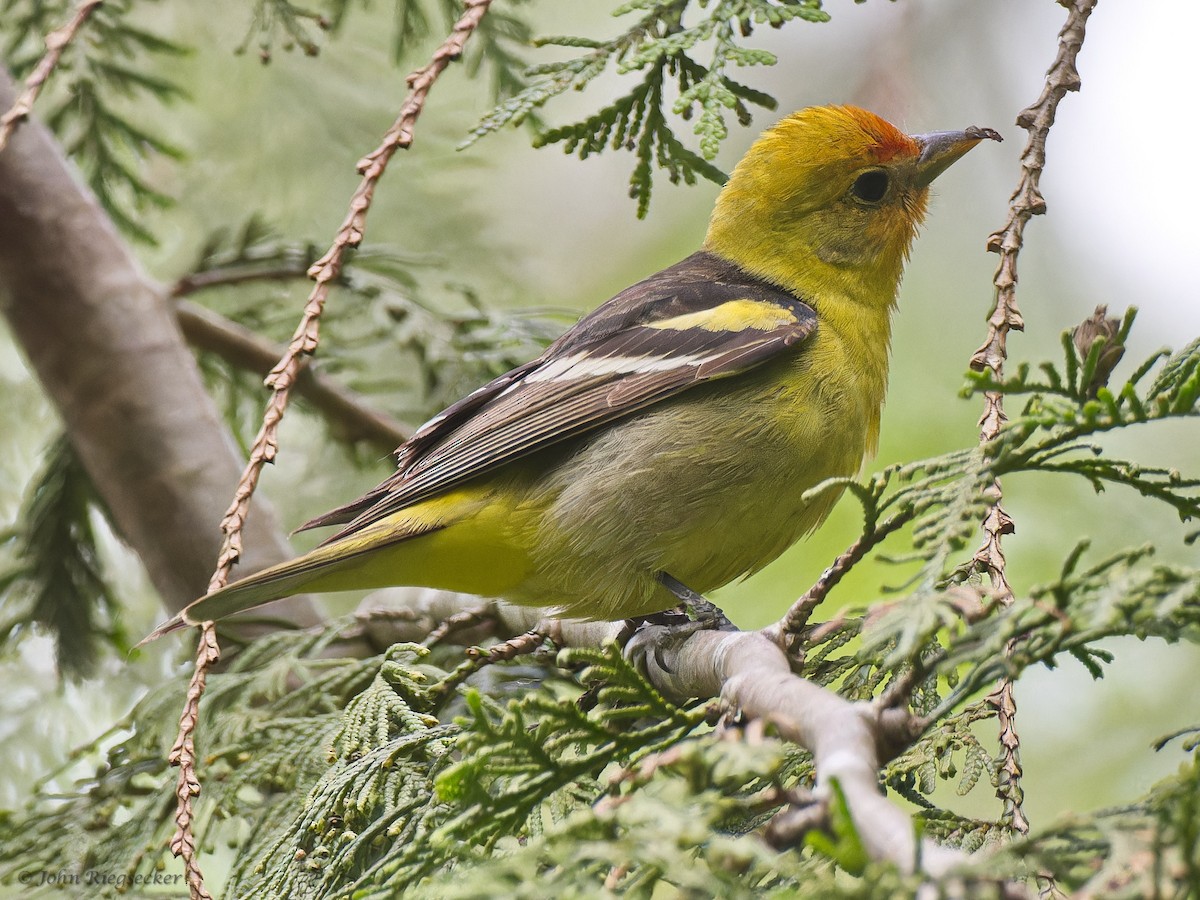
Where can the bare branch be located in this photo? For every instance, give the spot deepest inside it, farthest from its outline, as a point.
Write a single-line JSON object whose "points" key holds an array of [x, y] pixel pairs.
{"points": [[848, 741], [349, 414], [183, 754], [226, 276], [56, 43], [1026, 201]]}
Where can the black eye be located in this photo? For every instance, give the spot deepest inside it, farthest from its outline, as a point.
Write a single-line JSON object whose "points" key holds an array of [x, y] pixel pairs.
{"points": [[870, 187]]}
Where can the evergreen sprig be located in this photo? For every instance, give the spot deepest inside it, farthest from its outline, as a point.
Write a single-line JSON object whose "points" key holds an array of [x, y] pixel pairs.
{"points": [[114, 65], [284, 24], [516, 758], [661, 45], [383, 815], [56, 580], [1147, 849], [115, 821], [666, 828], [495, 46], [376, 796], [948, 752]]}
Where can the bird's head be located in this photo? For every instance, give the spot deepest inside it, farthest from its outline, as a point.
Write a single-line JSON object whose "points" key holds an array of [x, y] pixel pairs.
{"points": [[831, 198]]}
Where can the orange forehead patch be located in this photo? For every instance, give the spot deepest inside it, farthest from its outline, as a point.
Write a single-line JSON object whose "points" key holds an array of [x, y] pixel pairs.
{"points": [[889, 141]]}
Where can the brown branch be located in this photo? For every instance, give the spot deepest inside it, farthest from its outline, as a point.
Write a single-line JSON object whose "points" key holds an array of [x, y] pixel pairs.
{"points": [[183, 754], [478, 658], [326, 270], [226, 276], [411, 615], [468, 618], [1026, 201], [349, 414], [794, 622], [56, 43], [281, 380]]}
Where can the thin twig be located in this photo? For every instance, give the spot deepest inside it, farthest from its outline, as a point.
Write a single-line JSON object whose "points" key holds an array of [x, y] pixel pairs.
{"points": [[637, 775], [800, 816], [795, 621], [326, 270], [1027, 201], [468, 618], [281, 380], [56, 42], [479, 658], [243, 273], [348, 413], [183, 754]]}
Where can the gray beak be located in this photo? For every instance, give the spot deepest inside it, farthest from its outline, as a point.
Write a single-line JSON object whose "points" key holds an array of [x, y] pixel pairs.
{"points": [[941, 149]]}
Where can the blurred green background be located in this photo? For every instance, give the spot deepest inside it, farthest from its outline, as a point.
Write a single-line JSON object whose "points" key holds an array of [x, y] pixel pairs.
{"points": [[531, 229]]}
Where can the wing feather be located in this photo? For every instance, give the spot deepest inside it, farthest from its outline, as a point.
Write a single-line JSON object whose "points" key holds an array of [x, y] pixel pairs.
{"points": [[648, 343]]}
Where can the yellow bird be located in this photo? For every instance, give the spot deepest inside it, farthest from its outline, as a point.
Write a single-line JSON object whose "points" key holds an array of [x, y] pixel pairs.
{"points": [[666, 441]]}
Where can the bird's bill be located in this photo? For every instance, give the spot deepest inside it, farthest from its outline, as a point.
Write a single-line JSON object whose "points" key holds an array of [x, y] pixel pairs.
{"points": [[941, 149]]}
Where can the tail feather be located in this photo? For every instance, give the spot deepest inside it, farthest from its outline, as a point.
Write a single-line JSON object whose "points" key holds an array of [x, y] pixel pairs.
{"points": [[348, 562], [275, 582]]}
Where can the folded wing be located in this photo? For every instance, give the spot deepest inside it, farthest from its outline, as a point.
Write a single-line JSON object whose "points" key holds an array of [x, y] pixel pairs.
{"points": [[697, 321]]}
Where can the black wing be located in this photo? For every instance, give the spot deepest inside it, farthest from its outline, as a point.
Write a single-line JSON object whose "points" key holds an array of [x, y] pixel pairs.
{"points": [[699, 320]]}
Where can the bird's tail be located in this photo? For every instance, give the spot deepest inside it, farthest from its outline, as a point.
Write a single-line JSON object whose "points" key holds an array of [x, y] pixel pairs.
{"points": [[273, 583], [384, 553]]}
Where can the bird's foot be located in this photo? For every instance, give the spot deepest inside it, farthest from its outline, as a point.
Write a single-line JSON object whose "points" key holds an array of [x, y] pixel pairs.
{"points": [[651, 633], [652, 639], [701, 613]]}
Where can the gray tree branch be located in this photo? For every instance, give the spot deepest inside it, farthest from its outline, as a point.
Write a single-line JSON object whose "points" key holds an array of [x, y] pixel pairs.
{"points": [[748, 671], [103, 341]]}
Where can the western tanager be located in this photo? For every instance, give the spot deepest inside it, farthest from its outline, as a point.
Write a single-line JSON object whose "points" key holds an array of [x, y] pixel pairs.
{"points": [[667, 440]]}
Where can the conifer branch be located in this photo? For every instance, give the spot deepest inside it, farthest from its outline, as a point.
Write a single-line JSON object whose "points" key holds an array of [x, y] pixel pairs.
{"points": [[56, 42], [849, 741], [1026, 201], [750, 672], [281, 380], [90, 121], [661, 50], [183, 755]]}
